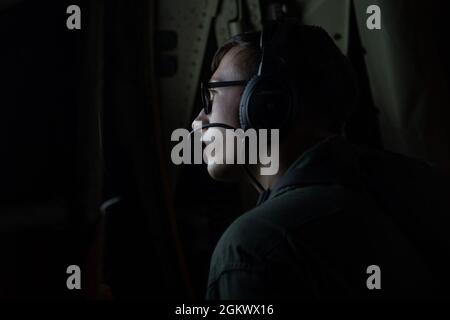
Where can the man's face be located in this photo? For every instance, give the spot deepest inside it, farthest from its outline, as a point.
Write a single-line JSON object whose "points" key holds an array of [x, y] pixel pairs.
{"points": [[225, 109]]}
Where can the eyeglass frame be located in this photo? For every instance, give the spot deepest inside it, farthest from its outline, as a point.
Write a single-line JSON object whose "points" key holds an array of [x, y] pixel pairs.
{"points": [[205, 94]]}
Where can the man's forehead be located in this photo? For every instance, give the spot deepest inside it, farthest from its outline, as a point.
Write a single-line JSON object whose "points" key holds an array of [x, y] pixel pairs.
{"points": [[229, 69]]}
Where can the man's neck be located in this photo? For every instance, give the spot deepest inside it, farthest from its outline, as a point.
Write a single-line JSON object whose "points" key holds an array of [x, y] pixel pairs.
{"points": [[290, 151]]}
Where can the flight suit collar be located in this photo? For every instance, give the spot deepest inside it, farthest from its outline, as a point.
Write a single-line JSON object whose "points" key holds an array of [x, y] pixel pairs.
{"points": [[333, 160]]}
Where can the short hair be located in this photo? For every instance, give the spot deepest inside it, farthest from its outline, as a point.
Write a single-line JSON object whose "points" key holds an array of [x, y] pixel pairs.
{"points": [[249, 58], [320, 72]]}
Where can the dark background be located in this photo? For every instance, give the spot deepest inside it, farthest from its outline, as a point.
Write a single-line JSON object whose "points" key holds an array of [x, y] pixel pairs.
{"points": [[81, 124]]}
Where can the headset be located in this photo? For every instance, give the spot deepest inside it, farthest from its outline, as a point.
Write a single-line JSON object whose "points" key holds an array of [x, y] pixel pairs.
{"points": [[268, 99]]}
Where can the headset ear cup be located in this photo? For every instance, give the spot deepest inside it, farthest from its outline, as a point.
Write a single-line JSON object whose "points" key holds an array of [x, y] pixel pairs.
{"points": [[266, 104]]}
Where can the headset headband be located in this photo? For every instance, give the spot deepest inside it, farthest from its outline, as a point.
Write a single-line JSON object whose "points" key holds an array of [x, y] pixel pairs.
{"points": [[270, 44]]}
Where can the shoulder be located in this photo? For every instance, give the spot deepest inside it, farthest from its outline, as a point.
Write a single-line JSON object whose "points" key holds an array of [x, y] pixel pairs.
{"points": [[245, 243], [254, 237]]}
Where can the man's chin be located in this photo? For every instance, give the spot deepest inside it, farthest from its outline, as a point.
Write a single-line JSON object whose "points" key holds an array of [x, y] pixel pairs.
{"points": [[224, 172]]}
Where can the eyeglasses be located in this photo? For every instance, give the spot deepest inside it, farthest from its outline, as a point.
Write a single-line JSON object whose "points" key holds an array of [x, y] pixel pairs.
{"points": [[207, 97]]}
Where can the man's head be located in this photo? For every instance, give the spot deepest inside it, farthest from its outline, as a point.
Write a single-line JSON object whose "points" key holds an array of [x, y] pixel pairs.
{"points": [[318, 72]]}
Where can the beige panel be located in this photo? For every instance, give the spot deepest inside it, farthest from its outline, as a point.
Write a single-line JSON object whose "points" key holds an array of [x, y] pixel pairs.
{"points": [[332, 15], [230, 18], [192, 22]]}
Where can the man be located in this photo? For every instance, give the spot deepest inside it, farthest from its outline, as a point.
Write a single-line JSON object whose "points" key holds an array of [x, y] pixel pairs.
{"points": [[335, 221]]}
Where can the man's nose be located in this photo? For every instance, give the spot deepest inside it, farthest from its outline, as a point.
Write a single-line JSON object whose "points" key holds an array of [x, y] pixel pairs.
{"points": [[200, 120]]}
